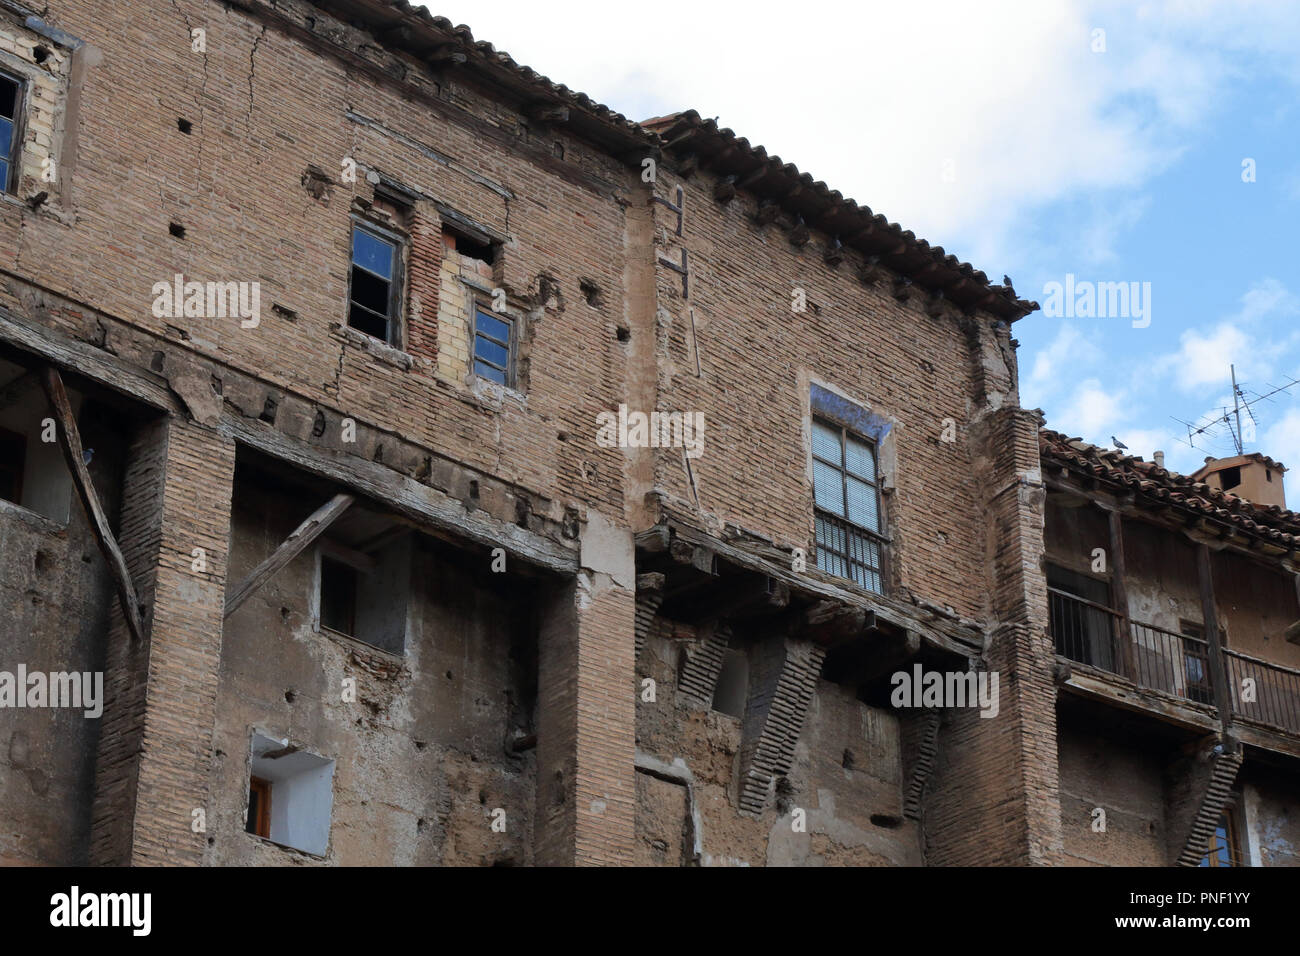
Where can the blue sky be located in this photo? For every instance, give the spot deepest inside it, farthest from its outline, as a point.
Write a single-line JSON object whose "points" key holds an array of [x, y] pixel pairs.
{"points": [[1024, 141]]}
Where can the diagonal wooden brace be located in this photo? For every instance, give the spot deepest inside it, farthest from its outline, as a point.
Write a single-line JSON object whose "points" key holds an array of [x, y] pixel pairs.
{"points": [[70, 443], [290, 548]]}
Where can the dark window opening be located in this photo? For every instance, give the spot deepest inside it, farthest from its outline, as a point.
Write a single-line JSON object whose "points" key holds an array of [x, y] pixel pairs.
{"points": [[11, 92], [847, 498], [493, 345], [469, 247], [1230, 478], [13, 461], [338, 596], [365, 595], [1083, 622], [373, 286], [259, 808], [733, 684]]}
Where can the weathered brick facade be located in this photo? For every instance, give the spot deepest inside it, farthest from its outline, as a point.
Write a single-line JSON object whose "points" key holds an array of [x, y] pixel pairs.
{"points": [[511, 641]]}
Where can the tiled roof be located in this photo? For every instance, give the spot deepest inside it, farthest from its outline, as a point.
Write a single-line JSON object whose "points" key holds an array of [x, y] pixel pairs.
{"points": [[414, 30], [1157, 485], [836, 215]]}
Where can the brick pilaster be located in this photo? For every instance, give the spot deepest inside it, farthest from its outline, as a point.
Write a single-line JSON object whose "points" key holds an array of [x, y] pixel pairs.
{"points": [[155, 747], [586, 785]]}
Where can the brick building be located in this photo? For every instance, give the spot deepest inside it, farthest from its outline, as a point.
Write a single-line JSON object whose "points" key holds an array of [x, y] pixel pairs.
{"points": [[440, 468]]}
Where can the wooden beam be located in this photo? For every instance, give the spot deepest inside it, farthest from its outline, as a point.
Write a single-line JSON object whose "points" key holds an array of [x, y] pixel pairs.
{"points": [[1210, 617], [1119, 591], [290, 548], [70, 443], [429, 509], [99, 366]]}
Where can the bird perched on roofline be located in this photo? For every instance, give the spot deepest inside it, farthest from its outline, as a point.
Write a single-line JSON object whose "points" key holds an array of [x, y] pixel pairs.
{"points": [[1118, 444]]}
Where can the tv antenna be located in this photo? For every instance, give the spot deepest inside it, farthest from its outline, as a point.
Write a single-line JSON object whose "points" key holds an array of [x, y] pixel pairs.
{"points": [[1207, 428]]}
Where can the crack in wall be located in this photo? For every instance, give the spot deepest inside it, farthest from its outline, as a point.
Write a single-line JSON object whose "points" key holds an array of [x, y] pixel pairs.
{"points": [[252, 70]]}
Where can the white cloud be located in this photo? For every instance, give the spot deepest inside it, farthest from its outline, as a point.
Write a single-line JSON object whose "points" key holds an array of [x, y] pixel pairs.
{"points": [[1060, 361], [1094, 412], [1282, 442], [1250, 339], [875, 98]]}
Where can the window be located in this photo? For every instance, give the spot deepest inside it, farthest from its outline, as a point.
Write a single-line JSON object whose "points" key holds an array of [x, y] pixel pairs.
{"points": [[1223, 846], [365, 595], [259, 808], [492, 346], [290, 795], [11, 97], [13, 460], [847, 496], [373, 290]]}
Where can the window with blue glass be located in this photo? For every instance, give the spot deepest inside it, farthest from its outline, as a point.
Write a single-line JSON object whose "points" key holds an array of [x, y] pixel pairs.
{"points": [[374, 283], [493, 346], [1223, 849], [11, 97]]}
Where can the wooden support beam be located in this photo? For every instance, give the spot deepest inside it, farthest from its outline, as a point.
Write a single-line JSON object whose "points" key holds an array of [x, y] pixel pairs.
{"points": [[290, 548], [70, 444], [1210, 618], [430, 510], [1119, 593], [829, 623]]}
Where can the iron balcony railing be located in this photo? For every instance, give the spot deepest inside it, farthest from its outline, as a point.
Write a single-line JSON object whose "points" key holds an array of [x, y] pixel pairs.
{"points": [[1263, 692], [1150, 656]]}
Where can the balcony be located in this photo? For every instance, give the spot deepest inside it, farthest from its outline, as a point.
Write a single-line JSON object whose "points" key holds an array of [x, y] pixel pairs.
{"points": [[1174, 664], [1276, 691]]}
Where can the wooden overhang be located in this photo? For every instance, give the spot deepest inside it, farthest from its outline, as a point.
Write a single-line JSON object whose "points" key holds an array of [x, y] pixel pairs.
{"points": [[707, 578]]}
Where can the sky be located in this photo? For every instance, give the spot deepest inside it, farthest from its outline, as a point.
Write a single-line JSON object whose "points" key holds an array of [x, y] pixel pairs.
{"points": [[1071, 145]]}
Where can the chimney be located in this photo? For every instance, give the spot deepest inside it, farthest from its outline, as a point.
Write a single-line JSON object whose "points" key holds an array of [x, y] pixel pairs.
{"points": [[1160, 459], [1254, 477]]}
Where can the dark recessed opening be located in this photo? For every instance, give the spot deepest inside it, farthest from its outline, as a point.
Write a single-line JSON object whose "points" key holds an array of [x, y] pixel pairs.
{"points": [[624, 335], [1230, 478], [184, 125], [41, 54], [886, 820], [591, 292], [469, 247], [177, 230]]}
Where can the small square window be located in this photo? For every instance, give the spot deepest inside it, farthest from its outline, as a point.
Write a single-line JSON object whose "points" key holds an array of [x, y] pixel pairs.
{"points": [[290, 795], [374, 285], [493, 346], [365, 595]]}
